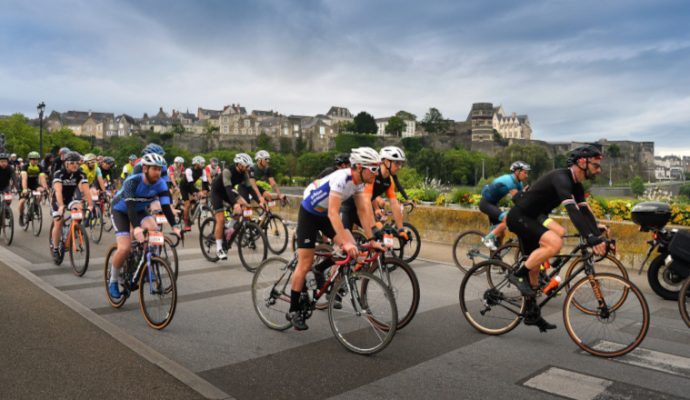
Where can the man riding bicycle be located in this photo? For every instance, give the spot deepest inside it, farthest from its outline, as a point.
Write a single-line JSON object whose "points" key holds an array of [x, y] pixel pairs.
{"points": [[175, 176], [129, 167], [260, 171], [93, 173], [7, 175], [212, 170], [33, 178], [320, 212], [560, 186], [129, 211], [341, 161], [188, 186]]}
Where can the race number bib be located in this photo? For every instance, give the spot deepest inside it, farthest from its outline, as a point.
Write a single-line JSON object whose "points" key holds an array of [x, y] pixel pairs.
{"points": [[248, 213], [156, 238], [271, 203], [160, 219], [76, 215], [388, 240], [7, 196]]}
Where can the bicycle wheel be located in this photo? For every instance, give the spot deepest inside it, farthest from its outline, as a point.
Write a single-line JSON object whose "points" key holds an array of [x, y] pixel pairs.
{"points": [[36, 219], [271, 288], [251, 246], [116, 303], [412, 246], [207, 239], [359, 324], [403, 282], [276, 234], [107, 218], [684, 302], [8, 226], [609, 332], [468, 250], [169, 254], [25, 218], [489, 302], [79, 250], [609, 264], [204, 213], [96, 225], [157, 293]]}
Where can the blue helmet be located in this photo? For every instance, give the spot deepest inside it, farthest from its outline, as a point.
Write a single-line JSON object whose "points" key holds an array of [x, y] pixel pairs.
{"points": [[153, 148]]}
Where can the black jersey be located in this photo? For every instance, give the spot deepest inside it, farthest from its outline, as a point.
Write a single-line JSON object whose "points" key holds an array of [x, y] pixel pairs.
{"points": [[70, 183], [7, 176], [549, 191]]}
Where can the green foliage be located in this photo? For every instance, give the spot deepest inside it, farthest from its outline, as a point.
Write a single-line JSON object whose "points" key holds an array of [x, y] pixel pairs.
{"points": [[395, 126], [406, 115], [412, 145], [345, 127], [177, 128], [344, 142], [614, 151], [121, 147], [365, 123], [533, 155], [226, 156], [20, 137], [410, 178], [65, 138], [264, 142], [685, 190], [285, 145], [310, 164], [434, 122], [172, 151], [561, 161], [637, 186]]}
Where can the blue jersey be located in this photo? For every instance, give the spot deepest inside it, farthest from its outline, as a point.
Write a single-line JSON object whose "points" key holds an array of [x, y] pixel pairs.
{"points": [[135, 189], [138, 168], [315, 199], [500, 187]]}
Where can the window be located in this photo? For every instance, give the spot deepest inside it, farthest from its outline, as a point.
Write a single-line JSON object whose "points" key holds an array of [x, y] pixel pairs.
{"points": [[285, 131], [322, 130], [295, 128]]}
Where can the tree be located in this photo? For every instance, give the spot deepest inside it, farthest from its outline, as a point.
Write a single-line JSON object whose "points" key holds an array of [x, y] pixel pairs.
{"points": [[434, 122], [395, 126], [64, 137], [412, 144], [614, 151], [637, 186], [345, 127], [20, 137], [365, 123], [344, 142], [177, 128], [406, 115], [685, 190], [264, 142], [533, 155]]}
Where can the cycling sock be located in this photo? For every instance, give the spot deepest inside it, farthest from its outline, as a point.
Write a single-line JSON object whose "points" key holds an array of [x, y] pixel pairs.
{"points": [[522, 272], [219, 244], [323, 265], [294, 300], [113, 274]]}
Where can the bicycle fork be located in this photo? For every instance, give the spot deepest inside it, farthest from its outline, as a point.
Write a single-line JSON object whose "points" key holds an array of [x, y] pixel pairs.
{"points": [[596, 288]]}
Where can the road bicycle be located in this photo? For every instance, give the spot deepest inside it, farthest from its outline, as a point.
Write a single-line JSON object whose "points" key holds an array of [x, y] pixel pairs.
{"points": [[468, 250], [406, 250], [33, 214], [73, 239], [361, 308], [146, 271], [168, 251], [94, 220], [274, 228], [6, 219]]}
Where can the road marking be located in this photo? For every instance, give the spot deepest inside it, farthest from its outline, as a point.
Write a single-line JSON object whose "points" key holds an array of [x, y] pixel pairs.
{"points": [[650, 359]]}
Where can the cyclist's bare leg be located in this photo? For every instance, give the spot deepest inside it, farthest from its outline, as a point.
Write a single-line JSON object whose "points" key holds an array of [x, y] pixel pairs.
{"points": [[549, 245], [555, 227], [186, 212], [57, 227]]}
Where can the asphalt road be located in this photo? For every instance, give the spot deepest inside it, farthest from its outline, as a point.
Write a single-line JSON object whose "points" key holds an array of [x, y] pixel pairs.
{"points": [[56, 335]]}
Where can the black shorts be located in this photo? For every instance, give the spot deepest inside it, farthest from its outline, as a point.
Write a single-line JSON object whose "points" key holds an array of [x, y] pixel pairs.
{"points": [[187, 191], [528, 230], [248, 192], [220, 196], [121, 221], [492, 210], [349, 216], [309, 226], [54, 206]]}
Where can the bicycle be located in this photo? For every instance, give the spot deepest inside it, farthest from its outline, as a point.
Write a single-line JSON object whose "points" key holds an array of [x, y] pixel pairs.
{"points": [[33, 214], [73, 239], [250, 238], [169, 249], [413, 245], [468, 248], [93, 219], [146, 271], [492, 305], [274, 228], [684, 302], [6, 219], [365, 321]]}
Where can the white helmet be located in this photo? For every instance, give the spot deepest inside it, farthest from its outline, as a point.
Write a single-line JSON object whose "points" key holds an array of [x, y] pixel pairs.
{"points": [[153, 159], [179, 159], [243, 159], [392, 153], [262, 155], [199, 160], [364, 156], [520, 165]]}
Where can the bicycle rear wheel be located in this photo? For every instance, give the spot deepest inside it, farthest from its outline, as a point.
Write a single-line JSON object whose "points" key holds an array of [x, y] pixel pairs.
{"points": [[157, 293], [468, 250], [489, 302], [7, 226], [276, 234], [207, 239], [403, 282], [36, 218], [271, 288], [413, 245], [610, 332], [359, 324], [251, 246], [684, 302], [79, 250]]}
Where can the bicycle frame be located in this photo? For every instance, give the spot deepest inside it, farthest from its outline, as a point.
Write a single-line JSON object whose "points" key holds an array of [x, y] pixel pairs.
{"points": [[147, 252]]}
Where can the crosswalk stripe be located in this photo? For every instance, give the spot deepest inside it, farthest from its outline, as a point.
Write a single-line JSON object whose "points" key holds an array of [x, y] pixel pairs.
{"points": [[650, 359]]}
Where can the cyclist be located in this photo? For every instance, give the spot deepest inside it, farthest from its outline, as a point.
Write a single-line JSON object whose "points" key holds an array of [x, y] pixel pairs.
{"points": [[67, 182], [33, 177], [7, 175], [129, 167], [560, 186], [260, 171], [129, 210], [222, 190], [320, 212], [108, 172], [188, 186], [175, 174], [212, 170], [493, 193], [93, 173], [14, 162], [341, 161], [58, 163]]}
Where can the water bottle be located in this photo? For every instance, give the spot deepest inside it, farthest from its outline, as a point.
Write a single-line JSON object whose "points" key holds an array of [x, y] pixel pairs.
{"points": [[229, 230], [311, 280], [555, 281]]}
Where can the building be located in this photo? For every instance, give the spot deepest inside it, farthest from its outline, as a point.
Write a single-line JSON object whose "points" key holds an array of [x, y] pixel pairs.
{"points": [[339, 114], [410, 125], [234, 120], [82, 123], [485, 120], [669, 168]]}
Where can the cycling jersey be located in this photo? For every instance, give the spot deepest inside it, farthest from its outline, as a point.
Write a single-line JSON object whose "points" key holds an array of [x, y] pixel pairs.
{"points": [[107, 175], [32, 174], [258, 174], [70, 183], [315, 199], [140, 194], [91, 173], [500, 187], [7, 176], [211, 172], [222, 187], [176, 174], [127, 170]]}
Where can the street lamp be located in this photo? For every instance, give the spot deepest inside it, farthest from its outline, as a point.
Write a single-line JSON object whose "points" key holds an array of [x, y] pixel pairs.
{"points": [[40, 108]]}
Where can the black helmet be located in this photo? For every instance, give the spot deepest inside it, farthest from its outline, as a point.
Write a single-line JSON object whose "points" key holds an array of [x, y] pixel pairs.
{"points": [[73, 156], [4, 156], [587, 151], [342, 158]]}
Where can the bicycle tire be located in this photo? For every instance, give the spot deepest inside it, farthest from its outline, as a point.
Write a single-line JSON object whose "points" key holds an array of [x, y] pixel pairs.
{"points": [[115, 303], [617, 266], [79, 246], [156, 279], [491, 294], [276, 234], [271, 287], [322, 303], [373, 336], [26, 216], [207, 239], [600, 346], [467, 247], [251, 246], [36, 219], [96, 225], [412, 246], [8, 226], [169, 254], [684, 302], [107, 217], [404, 286]]}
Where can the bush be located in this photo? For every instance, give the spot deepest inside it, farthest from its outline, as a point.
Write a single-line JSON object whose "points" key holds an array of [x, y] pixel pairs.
{"points": [[483, 182], [637, 186], [460, 196], [685, 191], [410, 178]]}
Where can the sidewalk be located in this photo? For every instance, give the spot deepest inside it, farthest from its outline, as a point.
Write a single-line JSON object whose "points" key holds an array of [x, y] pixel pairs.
{"points": [[49, 351]]}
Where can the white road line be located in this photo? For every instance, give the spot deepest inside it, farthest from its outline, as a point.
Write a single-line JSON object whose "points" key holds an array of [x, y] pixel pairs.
{"points": [[569, 384], [650, 359]]}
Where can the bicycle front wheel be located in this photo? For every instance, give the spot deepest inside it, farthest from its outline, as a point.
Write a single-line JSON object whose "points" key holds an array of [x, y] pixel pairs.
{"points": [[403, 282], [207, 239], [276, 234], [116, 303], [271, 288], [36, 218], [107, 218], [489, 302], [413, 245], [157, 293], [7, 226], [169, 254], [365, 323], [608, 264], [468, 250], [79, 250], [684, 302], [251, 246], [610, 332], [96, 225]]}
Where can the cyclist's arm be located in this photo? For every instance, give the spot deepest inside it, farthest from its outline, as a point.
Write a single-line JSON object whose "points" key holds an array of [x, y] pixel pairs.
{"points": [[25, 180], [364, 210], [86, 193], [395, 205], [42, 180], [334, 201], [564, 190], [255, 188], [204, 183], [57, 189], [275, 187], [400, 188]]}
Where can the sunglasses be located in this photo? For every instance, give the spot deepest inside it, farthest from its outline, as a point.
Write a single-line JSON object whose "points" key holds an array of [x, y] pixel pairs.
{"points": [[373, 168], [596, 165]]}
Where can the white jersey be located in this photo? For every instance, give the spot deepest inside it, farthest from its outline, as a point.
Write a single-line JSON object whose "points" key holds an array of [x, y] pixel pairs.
{"points": [[315, 199]]}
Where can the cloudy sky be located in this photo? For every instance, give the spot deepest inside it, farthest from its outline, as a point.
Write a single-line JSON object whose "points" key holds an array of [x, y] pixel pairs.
{"points": [[581, 70]]}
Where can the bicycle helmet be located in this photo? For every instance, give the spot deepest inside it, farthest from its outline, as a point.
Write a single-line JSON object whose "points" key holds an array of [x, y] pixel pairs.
{"points": [[364, 156], [214, 161], [13, 155], [243, 159], [153, 160], [33, 155], [587, 151], [179, 159], [132, 157], [64, 150], [199, 160], [262, 155], [342, 158], [89, 157], [392, 153], [520, 165], [4, 156], [153, 148], [73, 156], [109, 160]]}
